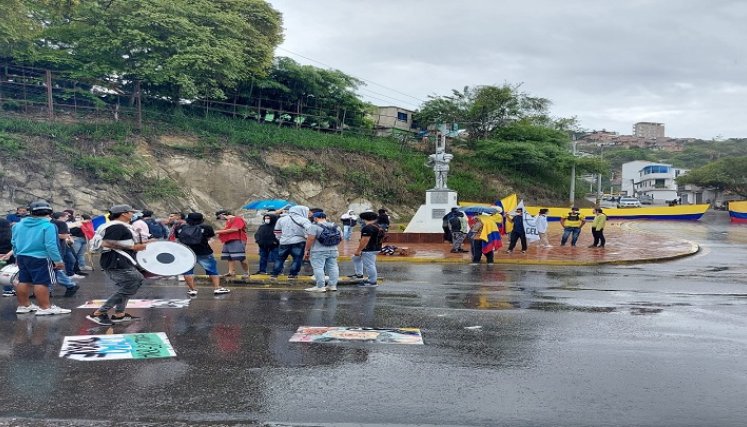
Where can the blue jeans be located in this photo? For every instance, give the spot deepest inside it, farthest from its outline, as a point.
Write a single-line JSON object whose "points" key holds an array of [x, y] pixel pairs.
{"points": [[347, 232], [296, 251], [567, 232], [366, 261], [208, 263], [325, 262], [63, 279], [79, 251], [267, 254], [68, 258]]}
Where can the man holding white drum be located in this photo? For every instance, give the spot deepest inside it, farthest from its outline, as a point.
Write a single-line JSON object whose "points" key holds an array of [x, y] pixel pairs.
{"points": [[118, 262]]}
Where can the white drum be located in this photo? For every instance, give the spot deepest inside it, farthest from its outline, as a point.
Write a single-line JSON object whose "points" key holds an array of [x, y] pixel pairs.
{"points": [[9, 275], [164, 258]]}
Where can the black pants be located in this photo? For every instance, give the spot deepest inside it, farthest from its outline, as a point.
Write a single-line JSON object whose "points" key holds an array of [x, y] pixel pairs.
{"points": [[447, 233], [598, 237], [477, 252], [514, 238]]}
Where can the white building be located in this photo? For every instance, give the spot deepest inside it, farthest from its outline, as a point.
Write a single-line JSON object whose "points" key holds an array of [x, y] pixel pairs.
{"points": [[655, 181]]}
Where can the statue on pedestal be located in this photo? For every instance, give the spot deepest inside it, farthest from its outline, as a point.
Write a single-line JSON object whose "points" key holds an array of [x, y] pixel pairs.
{"points": [[440, 163]]}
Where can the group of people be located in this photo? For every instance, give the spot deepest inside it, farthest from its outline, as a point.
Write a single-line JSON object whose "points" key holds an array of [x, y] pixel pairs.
{"points": [[306, 234], [50, 248], [458, 227]]}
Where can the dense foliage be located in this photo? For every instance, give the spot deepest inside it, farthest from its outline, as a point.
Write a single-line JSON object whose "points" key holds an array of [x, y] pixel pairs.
{"points": [[727, 174]]}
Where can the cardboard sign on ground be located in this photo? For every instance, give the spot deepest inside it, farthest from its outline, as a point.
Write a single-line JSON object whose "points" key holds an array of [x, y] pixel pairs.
{"points": [[143, 303], [339, 334], [117, 347]]}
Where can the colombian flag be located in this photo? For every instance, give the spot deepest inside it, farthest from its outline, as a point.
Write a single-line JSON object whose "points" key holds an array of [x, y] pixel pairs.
{"points": [[490, 235], [508, 204]]}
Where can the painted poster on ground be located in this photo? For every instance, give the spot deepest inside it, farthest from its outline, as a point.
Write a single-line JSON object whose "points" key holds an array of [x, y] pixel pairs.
{"points": [[143, 303], [117, 347], [339, 334]]}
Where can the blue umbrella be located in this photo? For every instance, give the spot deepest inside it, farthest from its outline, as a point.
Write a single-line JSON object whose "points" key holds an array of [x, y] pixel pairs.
{"points": [[268, 204], [476, 210]]}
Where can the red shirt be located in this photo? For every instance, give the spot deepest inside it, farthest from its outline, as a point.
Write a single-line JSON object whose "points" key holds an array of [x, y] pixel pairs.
{"points": [[87, 228], [235, 222]]}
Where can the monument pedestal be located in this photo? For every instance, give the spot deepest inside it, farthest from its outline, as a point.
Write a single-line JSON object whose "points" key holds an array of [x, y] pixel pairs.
{"points": [[428, 218]]}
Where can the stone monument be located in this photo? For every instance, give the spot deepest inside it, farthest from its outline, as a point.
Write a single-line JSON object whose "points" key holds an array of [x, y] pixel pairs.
{"points": [[438, 200]]}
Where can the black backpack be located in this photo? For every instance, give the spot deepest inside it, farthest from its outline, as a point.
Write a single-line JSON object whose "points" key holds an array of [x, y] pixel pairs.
{"points": [[455, 223], [330, 235], [190, 234]]}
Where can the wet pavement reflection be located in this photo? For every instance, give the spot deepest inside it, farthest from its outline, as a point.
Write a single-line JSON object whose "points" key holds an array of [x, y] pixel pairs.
{"points": [[650, 344]]}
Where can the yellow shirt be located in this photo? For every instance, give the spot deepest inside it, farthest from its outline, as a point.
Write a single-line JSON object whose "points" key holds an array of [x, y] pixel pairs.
{"points": [[599, 221]]}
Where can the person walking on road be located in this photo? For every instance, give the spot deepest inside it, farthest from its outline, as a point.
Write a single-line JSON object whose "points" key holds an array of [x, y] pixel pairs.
{"points": [[321, 250], [197, 236], [291, 232], [597, 228], [118, 262], [364, 258], [233, 237], [572, 224], [542, 228], [37, 253], [518, 232], [348, 219], [267, 243]]}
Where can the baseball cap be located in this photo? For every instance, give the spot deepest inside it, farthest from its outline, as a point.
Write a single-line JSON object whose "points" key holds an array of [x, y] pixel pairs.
{"points": [[118, 209], [319, 215]]}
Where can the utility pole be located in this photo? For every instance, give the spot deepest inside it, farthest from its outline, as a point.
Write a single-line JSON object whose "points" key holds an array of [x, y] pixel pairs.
{"points": [[573, 173]]}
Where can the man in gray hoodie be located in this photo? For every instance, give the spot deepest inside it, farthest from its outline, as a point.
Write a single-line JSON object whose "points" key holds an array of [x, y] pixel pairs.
{"points": [[291, 232]]}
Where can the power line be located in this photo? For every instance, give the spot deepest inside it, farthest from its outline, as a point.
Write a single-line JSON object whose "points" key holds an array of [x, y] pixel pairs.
{"points": [[358, 77]]}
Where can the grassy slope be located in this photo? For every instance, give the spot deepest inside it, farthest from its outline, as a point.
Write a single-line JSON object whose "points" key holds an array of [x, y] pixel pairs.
{"points": [[102, 150]]}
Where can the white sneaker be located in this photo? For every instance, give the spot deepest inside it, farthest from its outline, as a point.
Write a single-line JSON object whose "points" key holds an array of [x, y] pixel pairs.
{"points": [[316, 289], [87, 268], [220, 291], [52, 310], [192, 292], [332, 288], [77, 276], [28, 309]]}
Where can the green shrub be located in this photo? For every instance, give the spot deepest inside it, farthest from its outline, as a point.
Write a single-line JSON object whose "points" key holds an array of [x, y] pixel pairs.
{"points": [[10, 145]]}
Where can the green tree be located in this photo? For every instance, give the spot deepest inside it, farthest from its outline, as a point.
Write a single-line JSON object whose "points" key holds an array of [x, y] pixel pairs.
{"points": [[727, 174], [177, 48], [17, 28], [484, 109], [324, 94]]}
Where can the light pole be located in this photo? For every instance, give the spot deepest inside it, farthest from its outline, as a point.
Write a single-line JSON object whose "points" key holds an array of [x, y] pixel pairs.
{"points": [[573, 173]]}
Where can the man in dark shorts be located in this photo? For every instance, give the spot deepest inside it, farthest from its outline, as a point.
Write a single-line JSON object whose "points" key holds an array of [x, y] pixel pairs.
{"points": [[37, 256], [364, 258], [233, 237], [200, 245], [119, 265]]}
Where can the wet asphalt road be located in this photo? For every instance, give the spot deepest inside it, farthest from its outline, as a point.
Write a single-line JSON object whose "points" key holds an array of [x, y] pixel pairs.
{"points": [[650, 344]]}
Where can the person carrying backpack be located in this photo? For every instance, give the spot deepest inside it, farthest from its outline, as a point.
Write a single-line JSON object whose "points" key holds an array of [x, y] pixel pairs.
{"points": [[322, 238], [157, 230], [197, 236]]}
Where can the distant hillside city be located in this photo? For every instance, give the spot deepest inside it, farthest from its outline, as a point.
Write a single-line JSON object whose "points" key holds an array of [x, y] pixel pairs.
{"points": [[649, 135]]}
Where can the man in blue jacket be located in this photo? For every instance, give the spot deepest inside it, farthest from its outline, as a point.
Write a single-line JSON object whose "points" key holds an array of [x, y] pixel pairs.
{"points": [[37, 256]]}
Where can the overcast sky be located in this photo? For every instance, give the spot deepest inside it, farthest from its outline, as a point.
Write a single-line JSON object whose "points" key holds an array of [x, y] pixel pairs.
{"points": [[609, 63]]}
